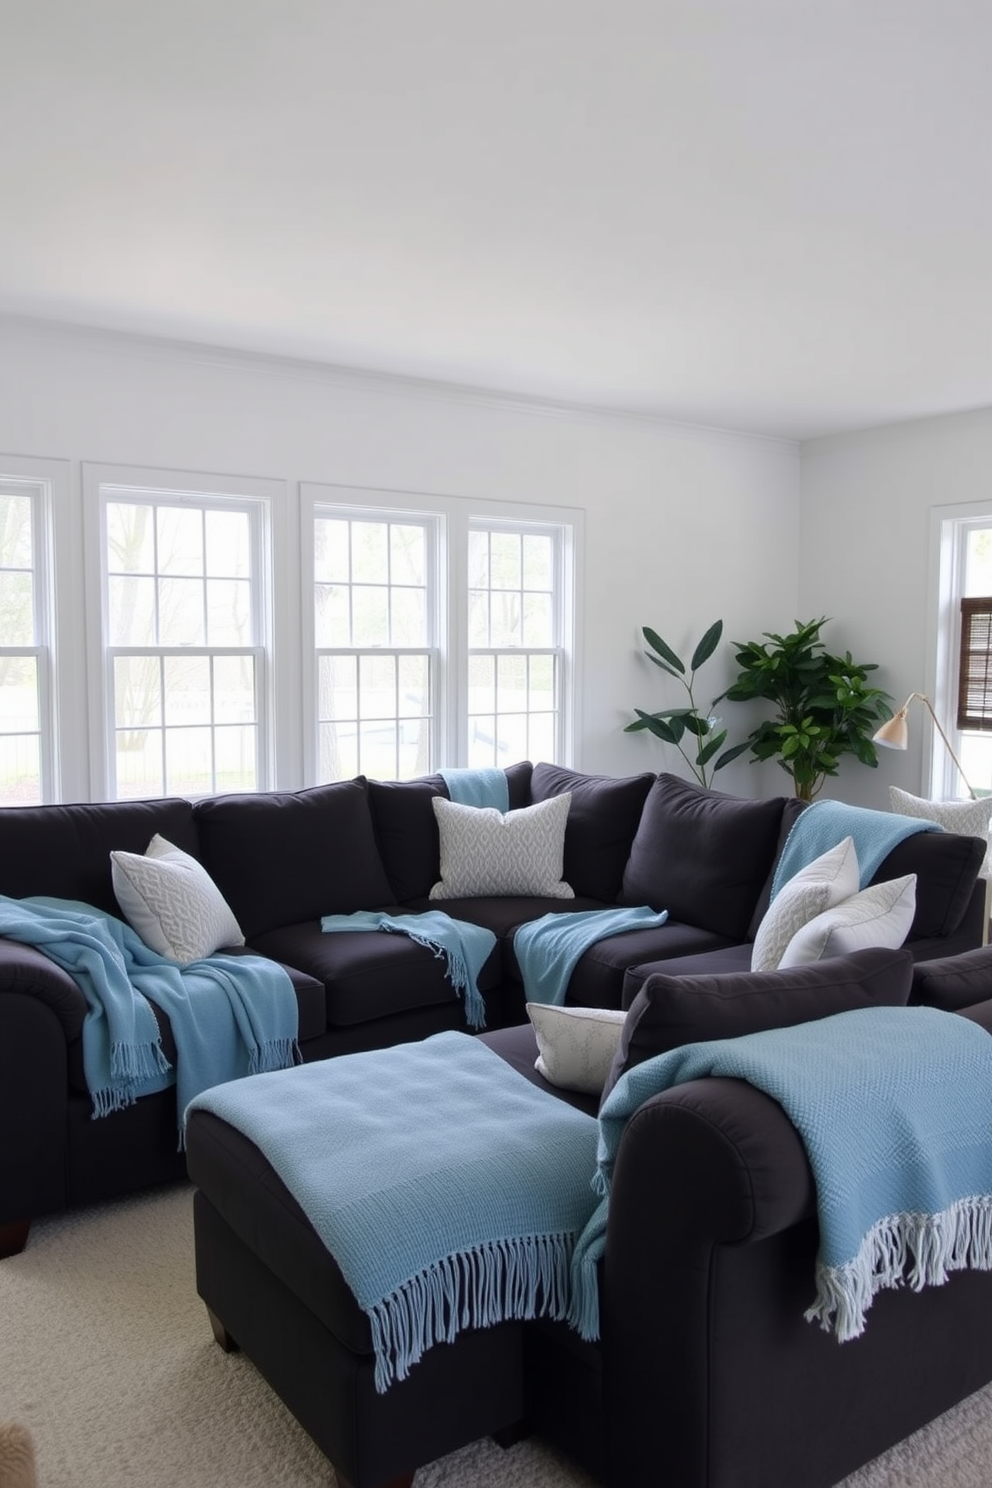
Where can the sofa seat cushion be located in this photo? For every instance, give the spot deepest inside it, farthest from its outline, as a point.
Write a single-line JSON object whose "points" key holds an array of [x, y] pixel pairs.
{"points": [[953, 982], [602, 820], [703, 856], [310, 1000], [368, 975], [670, 1011], [597, 980], [518, 1046], [280, 857], [699, 963]]}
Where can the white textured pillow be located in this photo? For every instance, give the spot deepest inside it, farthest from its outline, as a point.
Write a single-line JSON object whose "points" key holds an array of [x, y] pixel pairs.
{"points": [[173, 903], [484, 851], [828, 880], [880, 915], [577, 1044], [965, 818]]}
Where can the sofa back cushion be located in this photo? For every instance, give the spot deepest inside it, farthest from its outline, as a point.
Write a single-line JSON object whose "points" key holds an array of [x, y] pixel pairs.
{"points": [[946, 868], [406, 827], [280, 857], [670, 1011], [702, 855], [602, 822], [64, 851]]}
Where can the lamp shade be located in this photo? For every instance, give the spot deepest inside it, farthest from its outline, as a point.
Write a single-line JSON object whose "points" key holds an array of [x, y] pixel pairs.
{"points": [[894, 733]]}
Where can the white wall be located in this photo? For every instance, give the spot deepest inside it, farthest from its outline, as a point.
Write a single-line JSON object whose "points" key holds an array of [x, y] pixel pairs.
{"points": [[683, 525], [867, 507]]}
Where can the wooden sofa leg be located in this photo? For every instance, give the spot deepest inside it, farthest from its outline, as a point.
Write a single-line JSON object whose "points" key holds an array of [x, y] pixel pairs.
{"points": [[13, 1237], [509, 1436], [405, 1480], [221, 1334]]}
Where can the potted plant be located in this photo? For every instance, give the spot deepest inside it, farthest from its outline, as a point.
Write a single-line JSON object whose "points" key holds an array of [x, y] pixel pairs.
{"points": [[697, 736], [824, 705]]}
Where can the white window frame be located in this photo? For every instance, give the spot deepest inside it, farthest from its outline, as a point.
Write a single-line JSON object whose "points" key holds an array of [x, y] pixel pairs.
{"points": [[950, 526], [453, 516], [261, 499], [61, 688]]}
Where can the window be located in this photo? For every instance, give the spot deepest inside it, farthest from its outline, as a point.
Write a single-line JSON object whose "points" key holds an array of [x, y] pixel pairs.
{"points": [[514, 644], [182, 618], [376, 658], [25, 669], [963, 672], [441, 636]]}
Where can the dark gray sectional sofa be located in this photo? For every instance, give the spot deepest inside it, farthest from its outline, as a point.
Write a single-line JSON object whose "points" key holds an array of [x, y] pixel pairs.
{"points": [[282, 860]]}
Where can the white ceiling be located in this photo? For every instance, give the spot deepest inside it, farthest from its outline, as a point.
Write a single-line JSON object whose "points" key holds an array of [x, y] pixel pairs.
{"points": [[768, 215]]}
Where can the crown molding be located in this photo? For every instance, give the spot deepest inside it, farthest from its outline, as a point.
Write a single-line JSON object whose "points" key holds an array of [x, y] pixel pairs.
{"points": [[264, 363]]}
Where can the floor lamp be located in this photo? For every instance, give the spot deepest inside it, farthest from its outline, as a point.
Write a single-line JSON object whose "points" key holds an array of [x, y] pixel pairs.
{"points": [[895, 735]]}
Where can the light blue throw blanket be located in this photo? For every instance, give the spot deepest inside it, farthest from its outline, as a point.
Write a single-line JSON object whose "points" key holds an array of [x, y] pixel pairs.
{"points": [[894, 1107], [449, 1190], [478, 787], [464, 947], [547, 949], [825, 823], [230, 1015]]}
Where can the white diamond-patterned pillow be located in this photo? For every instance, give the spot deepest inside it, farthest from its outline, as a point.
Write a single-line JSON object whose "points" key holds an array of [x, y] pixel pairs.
{"points": [[965, 818], [828, 880], [576, 1044], [485, 851], [173, 903]]}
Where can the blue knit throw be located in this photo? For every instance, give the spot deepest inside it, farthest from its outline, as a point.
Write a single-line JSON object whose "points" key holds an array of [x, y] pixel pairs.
{"points": [[485, 786], [825, 823], [230, 1015], [894, 1107], [448, 1189], [548, 948], [464, 947]]}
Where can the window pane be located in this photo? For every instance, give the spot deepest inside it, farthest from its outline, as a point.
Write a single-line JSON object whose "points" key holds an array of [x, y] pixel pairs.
{"points": [[180, 540], [188, 761], [538, 552], [371, 617], [542, 683], [16, 609], [234, 752], [228, 612], [409, 617], [538, 627], [409, 555], [377, 755], [481, 684], [332, 618], [180, 612], [377, 687], [234, 690], [20, 770], [331, 551], [414, 686], [338, 751], [338, 687], [187, 690], [19, 695], [482, 741], [137, 692], [506, 564], [139, 764], [505, 619], [541, 742], [15, 531], [369, 552], [478, 560], [228, 537], [130, 538], [414, 750], [132, 611], [478, 617]]}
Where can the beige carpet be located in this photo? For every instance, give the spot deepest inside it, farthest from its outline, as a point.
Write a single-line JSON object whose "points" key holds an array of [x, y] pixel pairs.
{"points": [[106, 1355]]}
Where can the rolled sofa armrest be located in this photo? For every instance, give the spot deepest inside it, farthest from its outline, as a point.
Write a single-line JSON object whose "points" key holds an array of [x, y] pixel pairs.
{"points": [[25, 971]]}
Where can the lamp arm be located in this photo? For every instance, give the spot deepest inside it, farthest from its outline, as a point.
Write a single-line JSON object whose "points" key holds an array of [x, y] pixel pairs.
{"points": [[947, 743]]}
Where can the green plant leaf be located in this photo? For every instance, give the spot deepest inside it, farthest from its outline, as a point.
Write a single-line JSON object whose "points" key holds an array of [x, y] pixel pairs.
{"points": [[709, 750], [707, 645], [663, 649]]}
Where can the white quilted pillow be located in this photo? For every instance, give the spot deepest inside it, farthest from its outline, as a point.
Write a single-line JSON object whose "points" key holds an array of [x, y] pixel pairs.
{"points": [[485, 851], [173, 903], [828, 880], [880, 915], [965, 818], [576, 1044]]}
